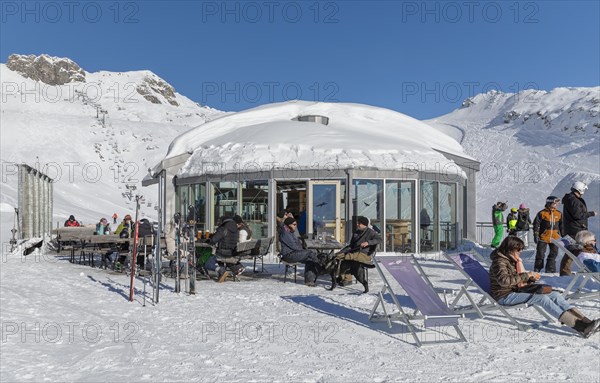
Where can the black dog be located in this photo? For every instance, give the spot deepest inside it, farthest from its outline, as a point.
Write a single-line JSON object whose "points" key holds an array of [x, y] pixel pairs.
{"points": [[357, 269]]}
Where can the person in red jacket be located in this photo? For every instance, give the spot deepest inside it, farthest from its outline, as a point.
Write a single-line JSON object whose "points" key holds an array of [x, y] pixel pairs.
{"points": [[71, 222]]}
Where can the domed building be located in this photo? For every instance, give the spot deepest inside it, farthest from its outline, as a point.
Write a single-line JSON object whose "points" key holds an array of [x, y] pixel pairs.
{"points": [[328, 163]]}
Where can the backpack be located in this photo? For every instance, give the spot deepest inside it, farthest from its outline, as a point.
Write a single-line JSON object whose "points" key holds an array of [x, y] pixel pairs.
{"points": [[145, 228]]}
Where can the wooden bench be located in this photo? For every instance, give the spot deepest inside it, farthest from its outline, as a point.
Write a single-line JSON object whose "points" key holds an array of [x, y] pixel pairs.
{"points": [[67, 235]]}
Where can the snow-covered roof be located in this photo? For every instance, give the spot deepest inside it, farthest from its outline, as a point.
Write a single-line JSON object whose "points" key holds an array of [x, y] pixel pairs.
{"points": [[356, 136]]}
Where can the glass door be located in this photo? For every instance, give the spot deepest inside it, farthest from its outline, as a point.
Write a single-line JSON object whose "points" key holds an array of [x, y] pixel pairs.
{"points": [[324, 208]]}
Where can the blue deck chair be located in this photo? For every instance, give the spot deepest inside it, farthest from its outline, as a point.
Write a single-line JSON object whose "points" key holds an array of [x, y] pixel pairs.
{"points": [[575, 289], [479, 278], [429, 307]]}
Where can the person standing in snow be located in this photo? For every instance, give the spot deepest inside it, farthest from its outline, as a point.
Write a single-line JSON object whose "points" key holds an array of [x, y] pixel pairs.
{"points": [[115, 218], [498, 222], [547, 225], [511, 221], [523, 224], [575, 218]]}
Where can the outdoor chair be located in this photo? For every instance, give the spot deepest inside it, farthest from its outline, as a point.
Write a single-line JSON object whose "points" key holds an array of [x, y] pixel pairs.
{"points": [[478, 278], [260, 251], [575, 289], [242, 251], [288, 266], [429, 307]]}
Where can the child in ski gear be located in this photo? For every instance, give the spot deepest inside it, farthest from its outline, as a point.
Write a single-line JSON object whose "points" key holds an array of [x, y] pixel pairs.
{"points": [[498, 222], [115, 218], [71, 222], [523, 222], [125, 229], [102, 227], [511, 221], [547, 225], [507, 275], [575, 218]]}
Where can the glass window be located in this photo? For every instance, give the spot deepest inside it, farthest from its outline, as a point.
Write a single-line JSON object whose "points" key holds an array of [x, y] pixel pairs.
{"points": [[428, 217], [399, 216], [367, 200], [182, 200], [255, 200], [198, 195], [225, 201], [447, 210]]}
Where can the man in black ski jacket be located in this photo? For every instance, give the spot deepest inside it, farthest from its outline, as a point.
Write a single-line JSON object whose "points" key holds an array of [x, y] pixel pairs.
{"points": [[363, 243], [226, 239], [575, 218]]}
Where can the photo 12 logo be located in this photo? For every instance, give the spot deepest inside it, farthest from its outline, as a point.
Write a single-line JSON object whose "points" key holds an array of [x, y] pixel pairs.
{"points": [[270, 12], [268, 92], [70, 11], [454, 91], [470, 11]]}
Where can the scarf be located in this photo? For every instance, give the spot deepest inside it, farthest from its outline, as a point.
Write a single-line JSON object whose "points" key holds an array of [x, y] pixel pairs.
{"points": [[520, 268]]}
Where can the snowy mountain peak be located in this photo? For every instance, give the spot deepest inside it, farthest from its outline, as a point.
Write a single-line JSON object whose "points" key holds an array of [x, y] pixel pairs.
{"points": [[531, 144], [47, 69], [63, 120]]}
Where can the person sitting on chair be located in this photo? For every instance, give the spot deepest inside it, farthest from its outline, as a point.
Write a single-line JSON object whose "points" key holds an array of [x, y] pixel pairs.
{"points": [[508, 277], [585, 250], [292, 250], [226, 239], [72, 222], [363, 242]]}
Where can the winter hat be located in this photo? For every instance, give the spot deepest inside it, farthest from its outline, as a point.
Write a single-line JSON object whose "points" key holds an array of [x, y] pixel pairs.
{"points": [[362, 220], [522, 206], [127, 217], [288, 221], [514, 209], [72, 217], [551, 199], [238, 219]]}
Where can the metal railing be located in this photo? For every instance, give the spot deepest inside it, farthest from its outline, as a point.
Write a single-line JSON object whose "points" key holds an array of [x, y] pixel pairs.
{"points": [[485, 234]]}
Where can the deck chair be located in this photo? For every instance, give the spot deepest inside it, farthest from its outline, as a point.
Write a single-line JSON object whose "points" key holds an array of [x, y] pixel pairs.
{"points": [[575, 289], [430, 308], [479, 278]]}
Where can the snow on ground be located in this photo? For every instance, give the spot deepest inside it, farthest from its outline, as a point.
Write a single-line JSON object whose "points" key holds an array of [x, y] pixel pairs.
{"points": [[71, 322]]}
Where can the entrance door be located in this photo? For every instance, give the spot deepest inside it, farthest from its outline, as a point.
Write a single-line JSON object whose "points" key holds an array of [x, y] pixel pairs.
{"points": [[324, 207]]}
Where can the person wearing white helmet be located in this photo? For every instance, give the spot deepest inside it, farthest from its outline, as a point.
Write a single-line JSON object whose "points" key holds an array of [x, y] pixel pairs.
{"points": [[575, 218]]}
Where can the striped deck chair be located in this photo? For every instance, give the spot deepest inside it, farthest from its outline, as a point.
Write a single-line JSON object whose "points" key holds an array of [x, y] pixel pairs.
{"points": [[575, 289], [429, 307], [478, 278]]}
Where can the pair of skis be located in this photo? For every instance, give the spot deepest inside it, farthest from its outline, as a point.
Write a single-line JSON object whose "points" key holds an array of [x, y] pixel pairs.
{"points": [[190, 248], [135, 246]]}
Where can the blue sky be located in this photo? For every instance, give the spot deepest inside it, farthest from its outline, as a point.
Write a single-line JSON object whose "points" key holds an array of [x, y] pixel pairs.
{"points": [[419, 58]]}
